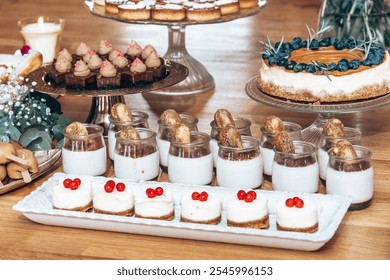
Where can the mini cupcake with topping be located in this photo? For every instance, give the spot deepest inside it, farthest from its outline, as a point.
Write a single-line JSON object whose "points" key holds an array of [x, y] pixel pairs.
{"points": [[88, 55], [104, 49], [147, 51], [133, 51], [108, 76], [65, 54], [59, 69], [156, 65], [121, 63], [81, 78], [114, 54], [94, 63], [136, 74], [81, 51]]}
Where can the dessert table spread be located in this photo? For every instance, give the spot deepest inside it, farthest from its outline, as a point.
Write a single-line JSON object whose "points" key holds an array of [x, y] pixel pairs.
{"points": [[231, 53]]}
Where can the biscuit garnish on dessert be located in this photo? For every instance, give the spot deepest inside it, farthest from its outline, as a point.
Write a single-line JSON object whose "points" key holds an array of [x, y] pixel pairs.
{"points": [[334, 128], [273, 124], [170, 117], [283, 143], [129, 133], [181, 133], [76, 128], [120, 112], [223, 118], [230, 136], [344, 148]]}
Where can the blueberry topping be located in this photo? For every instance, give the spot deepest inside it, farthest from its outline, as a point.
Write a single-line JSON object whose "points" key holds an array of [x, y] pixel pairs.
{"points": [[342, 66], [325, 42], [273, 60], [332, 66], [265, 55], [282, 62], [297, 40], [303, 44], [310, 68], [290, 64], [298, 68], [314, 45], [353, 64]]}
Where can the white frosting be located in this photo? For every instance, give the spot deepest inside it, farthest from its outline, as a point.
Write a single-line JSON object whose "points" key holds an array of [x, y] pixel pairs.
{"points": [[319, 85], [295, 179], [168, 7], [190, 170], [359, 184], [66, 198], [293, 217], [239, 211], [141, 168], [80, 162], [154, 207], [133, 6], [200, 211], [224, 2], [114, 201], [240, 173]]}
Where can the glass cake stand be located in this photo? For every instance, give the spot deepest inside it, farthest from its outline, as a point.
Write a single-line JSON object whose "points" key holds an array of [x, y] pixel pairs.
{"points": [[199, 79], [324, 111], [102, 100]]}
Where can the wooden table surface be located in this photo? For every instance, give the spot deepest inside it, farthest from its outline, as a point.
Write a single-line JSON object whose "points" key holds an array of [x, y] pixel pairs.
{"points": [[231, 53]]}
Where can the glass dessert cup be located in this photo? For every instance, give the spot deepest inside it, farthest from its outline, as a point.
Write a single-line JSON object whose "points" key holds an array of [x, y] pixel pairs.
{"points": [[240, 167], [243, 126], [296, 172], [352, 135], [79, 151], [267, 143], [352, 176], [191, 163], [139, 119], [137, 159], [164, 137]]}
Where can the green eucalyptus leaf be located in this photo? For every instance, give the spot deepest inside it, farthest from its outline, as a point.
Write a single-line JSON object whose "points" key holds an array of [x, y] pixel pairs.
{"points": [[14, 133], [39, 144], [60, 144], [28, 136], [57, 131]]}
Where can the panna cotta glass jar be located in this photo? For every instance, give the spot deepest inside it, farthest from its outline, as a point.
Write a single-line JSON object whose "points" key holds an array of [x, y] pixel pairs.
{"points": [[243, 126], [191, 163], [352, 176], [139, 119], [164, 137], [85, 154], [296, 172], [351, 134], [137, 159], [267, 143], [240, 167]]}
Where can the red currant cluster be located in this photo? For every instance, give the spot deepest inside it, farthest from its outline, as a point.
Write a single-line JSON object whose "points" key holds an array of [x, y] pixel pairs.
{"points": [[72, 184], [295, 201], [25, 49], [150, 192], [203, 196], [246, 196], [110, 185]]}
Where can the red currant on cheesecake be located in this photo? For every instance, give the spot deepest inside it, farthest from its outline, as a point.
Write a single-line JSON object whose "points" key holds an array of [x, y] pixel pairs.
{"points": [[154, 203]]}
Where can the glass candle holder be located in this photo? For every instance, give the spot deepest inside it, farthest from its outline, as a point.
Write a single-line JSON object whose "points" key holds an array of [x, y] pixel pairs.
{"points": [[191, 163], [267, 143], [240, 167], [243, 126], [296, 172], [43, 34], [352, 176], [164, 137], [139, 119], [326, 142], [85, 154], [137, 159]]}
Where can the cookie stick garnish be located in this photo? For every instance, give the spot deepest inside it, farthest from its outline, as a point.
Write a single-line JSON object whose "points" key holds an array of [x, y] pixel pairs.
{"points": [[120, 112], [181, 133], [283, 143], [273, 124], [222, 118], [170, 117], [229, 136], [334, 128], [344, 148], [76, 128]]}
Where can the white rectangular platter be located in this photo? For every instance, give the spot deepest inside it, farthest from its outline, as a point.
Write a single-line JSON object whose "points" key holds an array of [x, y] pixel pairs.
{"points": [[37, 207]]}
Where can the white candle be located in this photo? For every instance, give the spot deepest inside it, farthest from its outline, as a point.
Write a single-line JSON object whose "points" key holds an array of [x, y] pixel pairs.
{"points": [[43, 37]]}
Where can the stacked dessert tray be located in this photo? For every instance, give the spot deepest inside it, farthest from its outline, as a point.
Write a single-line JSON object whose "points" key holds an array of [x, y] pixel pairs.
{"points": [[199, 79], [325, 111], [38, 207], [104, 99]]}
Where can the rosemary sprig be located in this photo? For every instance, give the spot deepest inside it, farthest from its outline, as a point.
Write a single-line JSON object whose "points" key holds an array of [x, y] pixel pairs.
{"points": [[269, 48], [321, 67], [314, 35]]}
